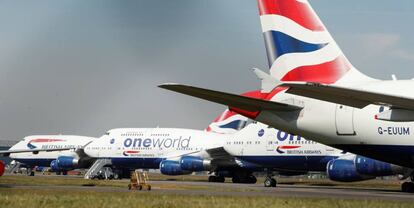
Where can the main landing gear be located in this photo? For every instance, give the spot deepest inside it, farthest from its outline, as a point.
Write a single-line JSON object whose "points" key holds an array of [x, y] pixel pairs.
{"points": [[243, 177], [270, 181], [219, 179], [408, 186], [30, 171]]}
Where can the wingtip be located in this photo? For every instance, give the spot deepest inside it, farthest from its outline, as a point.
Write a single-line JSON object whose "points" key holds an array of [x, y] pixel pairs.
{"points": [[166, 85]]}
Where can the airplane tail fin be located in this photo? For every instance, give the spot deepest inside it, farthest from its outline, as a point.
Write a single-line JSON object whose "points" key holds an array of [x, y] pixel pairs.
{"points": [[228, 122], [299, 47]]}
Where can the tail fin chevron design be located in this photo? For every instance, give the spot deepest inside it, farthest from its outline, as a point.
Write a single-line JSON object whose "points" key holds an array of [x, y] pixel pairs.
{"points": [[298, 45], [228, 122]]}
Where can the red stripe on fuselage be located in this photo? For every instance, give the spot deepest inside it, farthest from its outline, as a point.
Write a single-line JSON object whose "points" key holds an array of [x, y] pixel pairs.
{"points": [[47, 140], [325, 73], [131, 151], [288, 147], [299, 12]]}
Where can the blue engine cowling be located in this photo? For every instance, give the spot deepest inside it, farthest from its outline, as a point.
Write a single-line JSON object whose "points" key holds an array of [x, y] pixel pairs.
{"points": [[372, 167], [66, 162], [344, 171], [168, 167], [54, 166], [194, 164]]}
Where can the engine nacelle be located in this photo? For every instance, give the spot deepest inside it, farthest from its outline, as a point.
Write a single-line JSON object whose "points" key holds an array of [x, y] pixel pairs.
{"points": [[169, 167], [54, 166], [1, 168], [343, 170], [372, 167], [67, 162], [194, 164]]}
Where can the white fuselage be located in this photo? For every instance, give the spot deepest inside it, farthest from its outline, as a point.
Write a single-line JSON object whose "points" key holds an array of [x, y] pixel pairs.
{"points": [[351, 129], [47, 142], [266, 147]]}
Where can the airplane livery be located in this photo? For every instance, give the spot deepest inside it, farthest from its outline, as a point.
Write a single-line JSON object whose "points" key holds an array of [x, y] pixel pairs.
{"points": [[313, 90]]}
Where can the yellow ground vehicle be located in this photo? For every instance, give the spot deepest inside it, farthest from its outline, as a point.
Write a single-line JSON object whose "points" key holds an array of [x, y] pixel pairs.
{"points": [[139, 181]]}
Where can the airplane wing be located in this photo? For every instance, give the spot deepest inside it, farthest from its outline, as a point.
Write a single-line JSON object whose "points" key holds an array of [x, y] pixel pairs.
{"points": [[347, 96], [35, 151], [228, 99]]}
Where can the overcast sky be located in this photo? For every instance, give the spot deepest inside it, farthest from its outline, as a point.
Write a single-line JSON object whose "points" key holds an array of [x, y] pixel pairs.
{"points": [[83, 67]]}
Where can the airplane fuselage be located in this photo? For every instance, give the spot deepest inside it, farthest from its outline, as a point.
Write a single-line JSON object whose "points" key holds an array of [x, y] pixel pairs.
{"points": [[256, 144], [351, 129]]}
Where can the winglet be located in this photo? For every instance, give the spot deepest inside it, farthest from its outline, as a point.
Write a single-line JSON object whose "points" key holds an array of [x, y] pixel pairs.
{"points": [[268, 83]]}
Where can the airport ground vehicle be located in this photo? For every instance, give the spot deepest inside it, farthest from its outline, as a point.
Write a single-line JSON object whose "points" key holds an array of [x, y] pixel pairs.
{"points": [[139, 181]]}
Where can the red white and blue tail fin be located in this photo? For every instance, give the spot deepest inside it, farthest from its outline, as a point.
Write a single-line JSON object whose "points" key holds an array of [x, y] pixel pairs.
{"points": [[299, 47], [228, 122]]}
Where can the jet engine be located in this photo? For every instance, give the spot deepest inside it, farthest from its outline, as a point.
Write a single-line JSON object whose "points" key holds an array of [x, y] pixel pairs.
{"points": [[54, 166], [372, 167], [344, 170], [194, 164], [169, 167], [359, 168]]}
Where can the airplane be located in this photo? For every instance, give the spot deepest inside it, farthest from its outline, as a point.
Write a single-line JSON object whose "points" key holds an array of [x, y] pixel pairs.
{"points": [[314, 91], [231, 147], [50, 151]]}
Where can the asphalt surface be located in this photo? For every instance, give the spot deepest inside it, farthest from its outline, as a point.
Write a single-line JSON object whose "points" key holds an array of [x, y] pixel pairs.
{"points": [[229, 189]]}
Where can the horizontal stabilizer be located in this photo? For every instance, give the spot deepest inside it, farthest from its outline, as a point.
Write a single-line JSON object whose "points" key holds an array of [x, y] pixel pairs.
{"points": [[347, 96], [228, 99]]}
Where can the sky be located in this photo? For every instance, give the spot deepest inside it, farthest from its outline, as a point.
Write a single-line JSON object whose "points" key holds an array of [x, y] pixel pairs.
{"points": [[84, 67]]}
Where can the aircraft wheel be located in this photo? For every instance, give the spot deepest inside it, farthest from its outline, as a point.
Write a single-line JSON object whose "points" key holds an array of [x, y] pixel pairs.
{"points": [[235, 179], [220, 179], [407, 187], [273, 182], [251, 179], [212, 179], [268, 182]]}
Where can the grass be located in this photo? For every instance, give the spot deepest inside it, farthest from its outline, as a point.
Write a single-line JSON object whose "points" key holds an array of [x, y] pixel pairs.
{"points": [[61, 198], [77, 197], [90, 199]]}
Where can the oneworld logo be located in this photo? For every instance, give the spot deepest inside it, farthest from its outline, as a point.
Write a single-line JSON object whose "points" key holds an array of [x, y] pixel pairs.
{"points": [[160, 142], [112, 141]]}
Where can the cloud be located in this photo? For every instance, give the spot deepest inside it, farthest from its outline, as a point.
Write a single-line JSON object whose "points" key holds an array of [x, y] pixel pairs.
{"points": [[375, 45]]}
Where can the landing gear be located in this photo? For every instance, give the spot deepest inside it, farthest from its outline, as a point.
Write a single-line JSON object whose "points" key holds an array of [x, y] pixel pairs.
{"points": [[244, 178], [270, 182], [30, 172], [219, 179], [408, 187]]}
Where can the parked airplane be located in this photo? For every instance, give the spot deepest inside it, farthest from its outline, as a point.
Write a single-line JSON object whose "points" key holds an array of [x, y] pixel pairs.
{"points": [[49, 151], [254, 148], [314, 91]]}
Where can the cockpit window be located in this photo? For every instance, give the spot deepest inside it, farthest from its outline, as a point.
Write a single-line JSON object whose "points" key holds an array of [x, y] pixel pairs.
{"points": [[107, 133]]}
